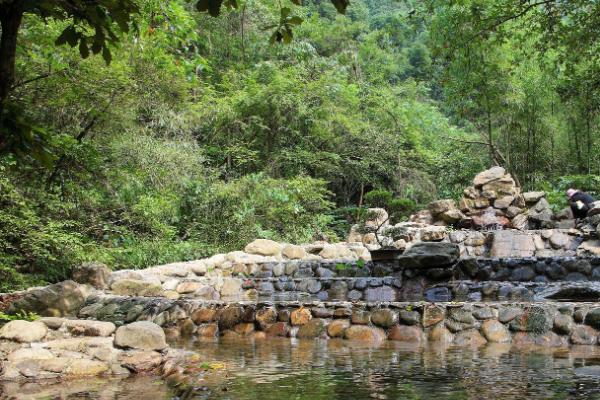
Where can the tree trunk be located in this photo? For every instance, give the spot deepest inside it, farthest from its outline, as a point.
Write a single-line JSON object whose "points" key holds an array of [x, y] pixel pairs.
{"points": [[11, 16]]}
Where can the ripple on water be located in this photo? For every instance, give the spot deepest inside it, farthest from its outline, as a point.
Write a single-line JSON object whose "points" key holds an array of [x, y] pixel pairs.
{"points": [[286, 369]]}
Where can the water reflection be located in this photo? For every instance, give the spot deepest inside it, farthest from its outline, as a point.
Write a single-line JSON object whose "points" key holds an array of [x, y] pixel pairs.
{"points": [[285, 369]]}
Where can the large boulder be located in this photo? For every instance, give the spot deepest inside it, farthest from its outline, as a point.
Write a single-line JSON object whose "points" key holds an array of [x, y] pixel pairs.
{"points": [[263, 247], [23, 331], [512, 244], [441, 206], [92, 273], [57, 300], [489, 175], [430, 255], [142, 335]]}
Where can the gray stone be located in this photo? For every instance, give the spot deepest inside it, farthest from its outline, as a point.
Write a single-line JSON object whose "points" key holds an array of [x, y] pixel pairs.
{"points": [[92, 273], [523, 274], [143, 335], [430, 255], [383, 293], [592, 318], [384, 317], [410, 317], [563, 324], [309, 285], [507, 314], [23, 331], [58, 300]]}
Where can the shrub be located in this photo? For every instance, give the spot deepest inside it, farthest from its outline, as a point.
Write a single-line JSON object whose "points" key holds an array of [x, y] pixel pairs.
{"points": [[229, 215], [378, 198]]}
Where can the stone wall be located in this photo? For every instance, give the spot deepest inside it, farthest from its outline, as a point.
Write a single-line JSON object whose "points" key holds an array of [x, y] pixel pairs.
{"points": [[547, 324]]}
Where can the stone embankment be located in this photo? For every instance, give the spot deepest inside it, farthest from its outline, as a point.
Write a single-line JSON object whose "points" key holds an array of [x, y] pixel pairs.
{"points": [[519, 323], [68, 348], [534, 279]]}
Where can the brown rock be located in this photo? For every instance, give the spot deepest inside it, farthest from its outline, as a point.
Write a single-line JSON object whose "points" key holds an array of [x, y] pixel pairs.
{"points": [[314, 328], [207, 330], [583, 334], [495, 331], [365, 334], [140, 360], [488, 175], [337, 327], [439, 333], [244, 329], [300, 316], [432, 314], [403, 333], [266, 316], [470, 337], [280, 329], [203, 315]]}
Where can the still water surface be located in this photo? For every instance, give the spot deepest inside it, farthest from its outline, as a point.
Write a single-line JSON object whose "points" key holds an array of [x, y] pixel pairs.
{"points": [[312, 370]]}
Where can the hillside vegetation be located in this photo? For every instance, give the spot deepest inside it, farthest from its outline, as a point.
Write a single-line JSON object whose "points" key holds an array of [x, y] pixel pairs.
{"points": [[201, 135]]}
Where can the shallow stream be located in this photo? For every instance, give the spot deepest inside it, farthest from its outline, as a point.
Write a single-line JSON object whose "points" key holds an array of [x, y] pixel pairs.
{"points": [[285, 369]]}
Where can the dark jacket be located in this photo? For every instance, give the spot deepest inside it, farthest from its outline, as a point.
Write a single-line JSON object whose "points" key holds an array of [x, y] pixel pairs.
{"points": [[580, 203]]}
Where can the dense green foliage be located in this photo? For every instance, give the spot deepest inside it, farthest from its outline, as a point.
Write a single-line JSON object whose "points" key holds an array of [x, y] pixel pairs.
{"points": [[200, 136]]}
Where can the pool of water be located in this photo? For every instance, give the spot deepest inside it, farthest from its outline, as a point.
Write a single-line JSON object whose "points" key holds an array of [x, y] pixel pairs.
{"points": [[286, 369]]}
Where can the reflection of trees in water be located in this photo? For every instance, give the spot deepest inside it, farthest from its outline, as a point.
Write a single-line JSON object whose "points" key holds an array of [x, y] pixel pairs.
{"points": [[338, 369]]}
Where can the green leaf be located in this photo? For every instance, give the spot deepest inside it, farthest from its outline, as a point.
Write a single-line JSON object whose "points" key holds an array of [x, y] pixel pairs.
{"points": [[69, 35], [213, 7], [84, 51], [297, 2], [295, 20], [341, 5], [106, 55]]}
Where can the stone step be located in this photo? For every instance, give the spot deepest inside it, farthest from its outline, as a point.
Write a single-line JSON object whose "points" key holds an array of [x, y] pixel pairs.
{"points": [[543, 323]]}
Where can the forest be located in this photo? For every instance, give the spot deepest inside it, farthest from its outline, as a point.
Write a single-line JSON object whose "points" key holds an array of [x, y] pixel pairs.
{"points": [[141, 132]]}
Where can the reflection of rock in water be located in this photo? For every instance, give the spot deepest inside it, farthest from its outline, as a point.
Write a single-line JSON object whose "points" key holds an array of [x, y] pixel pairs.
{"points": [[138, 388]]}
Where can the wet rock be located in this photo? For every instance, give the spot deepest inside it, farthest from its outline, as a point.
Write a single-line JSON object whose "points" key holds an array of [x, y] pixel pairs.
{"points": [[592, 318], [207, 330], [534, 319], [140, 361], [266, 316], [507, 314], [549, 339], [92, 273], [403, 333], [365, 334], [23, 331], [495, 332], [244, 328], [322, 312], [58, 300], [142, 335], [583, 334], [440, 334], [409, 317], [468, 266], [279, 329], [361, 317], [230, 316], [563, 324], [314, 328], [432, 314], [300, 316], [556, 271], [337, 327], [470, 337], [203, 315], [483, 313], [384, 317]]}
